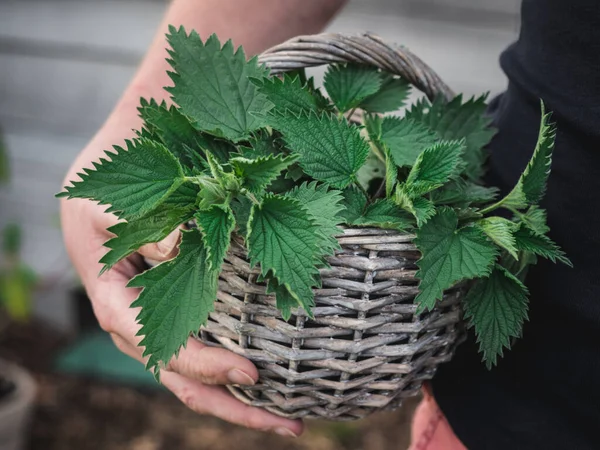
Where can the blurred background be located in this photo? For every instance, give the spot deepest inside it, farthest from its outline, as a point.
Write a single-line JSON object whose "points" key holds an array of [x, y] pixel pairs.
{"points": [[63, 65]]}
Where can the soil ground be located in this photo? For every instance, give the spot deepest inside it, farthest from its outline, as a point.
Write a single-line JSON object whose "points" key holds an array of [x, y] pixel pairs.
{"points": [[74, 413]]}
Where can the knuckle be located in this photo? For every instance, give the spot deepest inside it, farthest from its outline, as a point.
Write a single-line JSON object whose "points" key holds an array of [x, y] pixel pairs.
{"points": [[119, 343], [187, 397], [196, 365], [105, 321], [163, 249], [252, 421], [101, 310]]}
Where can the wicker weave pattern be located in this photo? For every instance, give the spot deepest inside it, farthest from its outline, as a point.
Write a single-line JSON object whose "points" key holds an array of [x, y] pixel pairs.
{"points": [[366, 348]]}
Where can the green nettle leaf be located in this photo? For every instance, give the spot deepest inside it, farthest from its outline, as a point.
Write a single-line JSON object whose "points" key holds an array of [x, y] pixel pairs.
{"points": [[241, 207], [501, 231], [148, 229], [421, 208], [285, 300], [331, 150], [449, 254], [216, 225], [434, 167], [174, 130], [468, 214], [391, 96], [456, 120], [406, 139], [349, 84], [535, 219], [283, 239], [373, 124], [212, 85], [462, 192], [133, 181], [324, 206], [295, 173], [287, 93], [383, 213], [144, 132], [532, 184], [257, 174], [261, 144], [539, 244], [497, 308], [323, 102], [177, 298], [211, 193], [354, 203], [217, 170], [184, 196], [220, 149], [391, 173]]}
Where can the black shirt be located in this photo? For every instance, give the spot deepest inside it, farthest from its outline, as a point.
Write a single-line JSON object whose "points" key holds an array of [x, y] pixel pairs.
{"points": [[545, 392]]}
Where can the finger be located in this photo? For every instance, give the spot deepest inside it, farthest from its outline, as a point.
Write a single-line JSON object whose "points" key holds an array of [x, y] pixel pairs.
{"points": [[212, 365], [163, 250], [126, 347], [216, 401]]}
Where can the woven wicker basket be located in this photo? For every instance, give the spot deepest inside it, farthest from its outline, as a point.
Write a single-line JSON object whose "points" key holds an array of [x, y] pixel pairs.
{"points": [[366, 348]]}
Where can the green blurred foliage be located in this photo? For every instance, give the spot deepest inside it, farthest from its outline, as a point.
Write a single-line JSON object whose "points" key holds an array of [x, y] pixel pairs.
{"points": [[17, 280]]}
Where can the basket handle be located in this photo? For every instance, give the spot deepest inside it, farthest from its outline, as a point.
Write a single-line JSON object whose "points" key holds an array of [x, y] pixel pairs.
{"points": [[367, 48]]}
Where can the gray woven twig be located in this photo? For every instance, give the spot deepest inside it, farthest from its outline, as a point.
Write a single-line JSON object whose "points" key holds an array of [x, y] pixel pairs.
{"points": [[367, 48], [366, 348]]}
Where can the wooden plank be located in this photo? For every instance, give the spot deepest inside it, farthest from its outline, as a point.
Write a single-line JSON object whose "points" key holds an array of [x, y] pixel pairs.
{"points": [[113, 24], [511, 7], [47, 153], [75, 97], [121, 24], [70, 97], [38, 164], [465, 57]]}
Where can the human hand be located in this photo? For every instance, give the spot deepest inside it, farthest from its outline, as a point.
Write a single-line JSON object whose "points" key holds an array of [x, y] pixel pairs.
{"points": [[198, 374]]}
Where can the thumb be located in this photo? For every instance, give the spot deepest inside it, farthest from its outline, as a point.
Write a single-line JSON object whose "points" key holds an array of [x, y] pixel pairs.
{"points": [[163, 250]]}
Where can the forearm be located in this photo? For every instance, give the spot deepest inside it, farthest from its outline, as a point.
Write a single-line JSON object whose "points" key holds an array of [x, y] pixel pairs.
{"points": [[255, 24]]}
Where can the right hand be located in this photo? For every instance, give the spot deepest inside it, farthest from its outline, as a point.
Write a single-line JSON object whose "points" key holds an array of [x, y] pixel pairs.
{"points": [[198, 374]]}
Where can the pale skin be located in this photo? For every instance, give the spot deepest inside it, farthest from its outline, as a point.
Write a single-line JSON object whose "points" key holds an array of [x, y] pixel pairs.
{"points": [[197, 376]]}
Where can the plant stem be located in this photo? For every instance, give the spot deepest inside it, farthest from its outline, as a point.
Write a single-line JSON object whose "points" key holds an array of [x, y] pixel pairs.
{"points": [[363, 190], [191, 180], [250, 195], [352, 111], [380, 189], [377, 151], [491, 208]]}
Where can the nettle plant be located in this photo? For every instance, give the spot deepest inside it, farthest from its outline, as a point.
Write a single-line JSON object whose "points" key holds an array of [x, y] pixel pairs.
{"points": [[274, 162]]}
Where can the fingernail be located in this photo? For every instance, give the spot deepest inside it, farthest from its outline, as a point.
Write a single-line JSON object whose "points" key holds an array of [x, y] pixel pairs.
{"points": [[285, 432], [236, 376]]}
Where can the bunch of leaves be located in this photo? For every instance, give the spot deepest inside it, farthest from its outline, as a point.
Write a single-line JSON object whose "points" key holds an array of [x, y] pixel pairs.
{"points": [[276, 163]]}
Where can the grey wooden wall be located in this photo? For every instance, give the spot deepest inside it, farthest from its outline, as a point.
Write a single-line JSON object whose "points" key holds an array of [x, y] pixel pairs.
{"points": [[64, 63]]}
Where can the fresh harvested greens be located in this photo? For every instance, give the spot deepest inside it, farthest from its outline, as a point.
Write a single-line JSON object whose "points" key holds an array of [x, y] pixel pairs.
{"points": [[278, 164]]}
